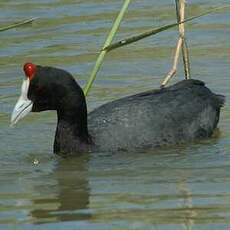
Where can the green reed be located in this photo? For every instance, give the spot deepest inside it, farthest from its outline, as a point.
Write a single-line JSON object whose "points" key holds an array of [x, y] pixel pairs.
{"points": [[17, 24], [108, 46], [108, 41]]}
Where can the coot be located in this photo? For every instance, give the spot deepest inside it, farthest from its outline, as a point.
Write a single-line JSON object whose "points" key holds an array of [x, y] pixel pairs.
{"points": [[179, 113]]}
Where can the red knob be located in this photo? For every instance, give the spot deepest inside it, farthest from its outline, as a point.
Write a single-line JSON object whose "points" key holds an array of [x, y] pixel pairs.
{"points": [[29, 69]]}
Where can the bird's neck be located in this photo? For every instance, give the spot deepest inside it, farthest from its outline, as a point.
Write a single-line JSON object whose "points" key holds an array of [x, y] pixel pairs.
{"points": [[72, 132]]}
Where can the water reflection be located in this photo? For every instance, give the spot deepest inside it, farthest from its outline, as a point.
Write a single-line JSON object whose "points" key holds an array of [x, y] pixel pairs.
{"points": [[72, 193], [67, 195], [187, 203], [172, 186]]}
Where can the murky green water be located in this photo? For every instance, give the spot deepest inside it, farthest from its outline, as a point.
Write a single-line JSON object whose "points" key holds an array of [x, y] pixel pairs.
{"points": [[186, 187]]}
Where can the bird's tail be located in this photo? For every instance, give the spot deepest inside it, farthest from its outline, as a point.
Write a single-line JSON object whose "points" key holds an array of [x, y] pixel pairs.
{"points": [[220, 100]]}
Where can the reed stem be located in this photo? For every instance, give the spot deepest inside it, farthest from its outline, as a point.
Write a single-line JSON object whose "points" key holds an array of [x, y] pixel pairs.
{"points": [[108, 41], [181, 44], [180, 9]]}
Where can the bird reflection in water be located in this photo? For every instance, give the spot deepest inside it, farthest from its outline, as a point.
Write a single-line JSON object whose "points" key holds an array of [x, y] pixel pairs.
{"points": [[69, 193]]}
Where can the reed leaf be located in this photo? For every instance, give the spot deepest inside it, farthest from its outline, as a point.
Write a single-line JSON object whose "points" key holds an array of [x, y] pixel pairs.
{"points": [[148, 33], [17, 24]]}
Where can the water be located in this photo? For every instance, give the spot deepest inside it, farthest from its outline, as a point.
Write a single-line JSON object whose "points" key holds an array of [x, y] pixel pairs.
{"points": [[186, 187]]}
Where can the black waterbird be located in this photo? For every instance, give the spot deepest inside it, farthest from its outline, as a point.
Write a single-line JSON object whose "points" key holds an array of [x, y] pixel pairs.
{"points": [[180, 113]]}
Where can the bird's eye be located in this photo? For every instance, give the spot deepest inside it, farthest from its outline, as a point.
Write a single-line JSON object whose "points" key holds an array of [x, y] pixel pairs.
{"points": [[40, 90]]}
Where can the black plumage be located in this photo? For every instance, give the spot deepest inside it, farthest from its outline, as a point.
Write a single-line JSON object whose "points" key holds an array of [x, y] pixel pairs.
{"points": [[180, 113]]}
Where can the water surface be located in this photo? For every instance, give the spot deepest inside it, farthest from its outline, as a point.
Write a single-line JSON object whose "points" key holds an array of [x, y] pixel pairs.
{"points": [[185, 187]]}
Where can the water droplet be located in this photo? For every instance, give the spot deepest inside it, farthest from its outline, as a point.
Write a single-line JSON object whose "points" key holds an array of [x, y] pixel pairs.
{"points": [[36, 162]]}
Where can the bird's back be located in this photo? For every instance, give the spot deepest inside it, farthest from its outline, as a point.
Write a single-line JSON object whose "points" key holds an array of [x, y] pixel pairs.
{"points": [[183, 112]]}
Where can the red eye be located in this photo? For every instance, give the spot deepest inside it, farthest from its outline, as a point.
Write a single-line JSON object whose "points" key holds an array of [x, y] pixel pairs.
{"points": [[29, 69]]}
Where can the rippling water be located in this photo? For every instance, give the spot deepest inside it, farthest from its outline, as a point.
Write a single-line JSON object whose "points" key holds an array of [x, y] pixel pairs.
{"points": [[186, 187]]}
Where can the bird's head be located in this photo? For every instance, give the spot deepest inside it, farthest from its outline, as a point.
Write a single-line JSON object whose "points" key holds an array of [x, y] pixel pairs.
{"points": [[45, 88]]}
